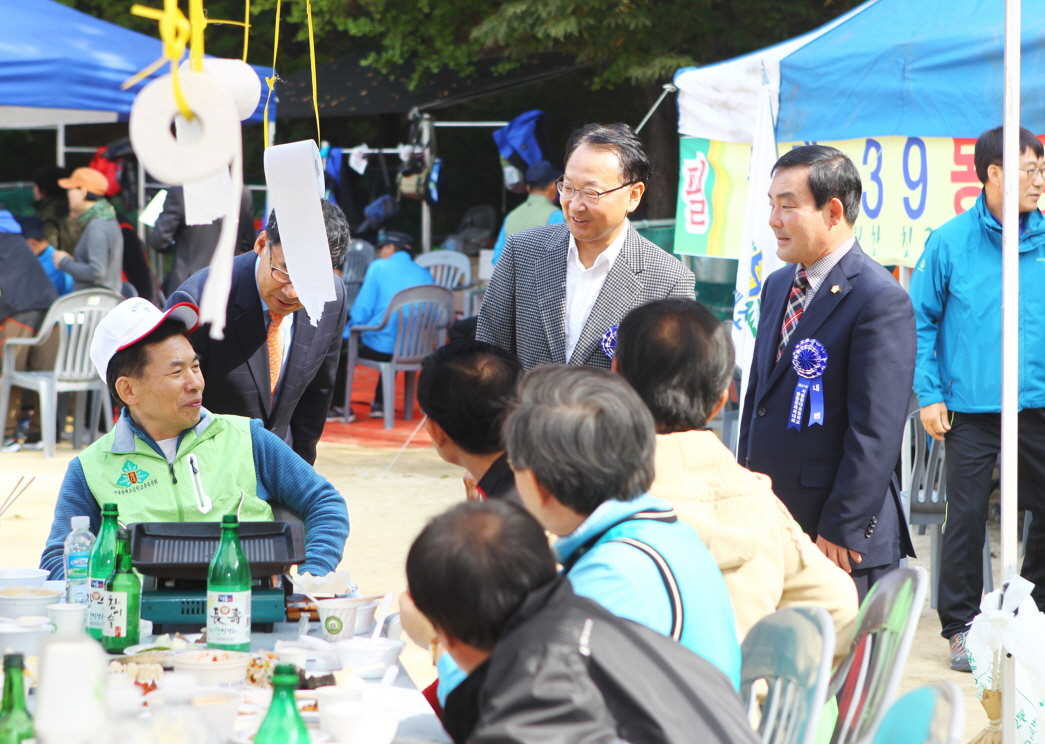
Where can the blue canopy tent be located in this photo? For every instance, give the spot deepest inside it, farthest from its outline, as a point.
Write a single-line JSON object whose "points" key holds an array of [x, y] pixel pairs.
{"points": [[60, 66], [888, 67]]}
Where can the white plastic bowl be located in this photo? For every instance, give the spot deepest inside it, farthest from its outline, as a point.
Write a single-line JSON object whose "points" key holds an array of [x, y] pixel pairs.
{"points": [[214, 668], [358, 653], [21, 639], [22, 577], [16, 601], [360, 723], [350, 691]]}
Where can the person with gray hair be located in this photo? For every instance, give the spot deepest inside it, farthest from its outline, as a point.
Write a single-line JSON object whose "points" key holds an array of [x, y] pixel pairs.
{"points": [[581, 443]]}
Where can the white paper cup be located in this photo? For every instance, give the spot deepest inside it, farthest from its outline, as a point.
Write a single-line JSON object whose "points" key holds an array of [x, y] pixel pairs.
{"points": [[349, 692], [337, 618], [68, 618], [360, 723], [294, 655], [219, 708]]}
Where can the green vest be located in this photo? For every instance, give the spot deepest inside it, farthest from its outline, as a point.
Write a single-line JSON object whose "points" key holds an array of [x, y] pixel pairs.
{"points": [[533, 212], [216, 465]]}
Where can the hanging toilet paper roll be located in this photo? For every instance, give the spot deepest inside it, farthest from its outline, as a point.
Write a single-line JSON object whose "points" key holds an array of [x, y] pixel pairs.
{"points": [[206, 144], [238, 78], [294, 175]]}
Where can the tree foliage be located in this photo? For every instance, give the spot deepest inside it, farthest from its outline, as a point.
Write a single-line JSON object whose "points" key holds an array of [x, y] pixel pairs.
{"points": [[638, 41]]}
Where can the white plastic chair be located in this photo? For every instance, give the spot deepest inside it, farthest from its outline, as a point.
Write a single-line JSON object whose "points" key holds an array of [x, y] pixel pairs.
{"points": [[449, 269], [421, 316], [74, 318], [867, 681], [792, 651], [934, 714]]}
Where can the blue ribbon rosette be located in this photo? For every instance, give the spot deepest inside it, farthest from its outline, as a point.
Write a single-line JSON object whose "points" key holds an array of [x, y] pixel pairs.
{"points": [[810, 361], [609, 341]]}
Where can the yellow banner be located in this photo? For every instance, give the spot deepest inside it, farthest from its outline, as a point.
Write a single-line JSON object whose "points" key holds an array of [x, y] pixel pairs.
{"points": [[912, 185]]}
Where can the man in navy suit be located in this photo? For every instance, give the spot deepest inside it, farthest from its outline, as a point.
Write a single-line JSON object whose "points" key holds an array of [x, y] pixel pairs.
{"points": [[273, 364], [831, 376]]}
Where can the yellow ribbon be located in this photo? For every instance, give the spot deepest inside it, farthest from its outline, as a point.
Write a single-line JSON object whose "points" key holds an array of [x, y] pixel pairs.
{"points": [[271, 80], [312, 55], [175, 31]]}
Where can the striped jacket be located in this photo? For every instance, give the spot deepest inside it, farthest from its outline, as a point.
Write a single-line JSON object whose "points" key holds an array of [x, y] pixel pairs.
{"points": [[524, 309]]}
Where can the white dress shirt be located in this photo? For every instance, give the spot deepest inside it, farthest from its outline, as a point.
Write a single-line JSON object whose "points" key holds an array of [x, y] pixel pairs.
{"points": [[583, 287]]}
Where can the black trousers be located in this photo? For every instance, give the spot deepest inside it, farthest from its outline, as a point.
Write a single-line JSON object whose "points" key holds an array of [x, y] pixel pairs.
{"points": [[342, 366], [973, 444]]}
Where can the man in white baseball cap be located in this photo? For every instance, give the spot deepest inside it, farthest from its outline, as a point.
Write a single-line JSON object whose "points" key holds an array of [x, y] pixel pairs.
{"points": [[168, 459]]}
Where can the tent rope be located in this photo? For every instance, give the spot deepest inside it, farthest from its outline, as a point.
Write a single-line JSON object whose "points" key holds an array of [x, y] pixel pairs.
{"points": [[271, 81]]}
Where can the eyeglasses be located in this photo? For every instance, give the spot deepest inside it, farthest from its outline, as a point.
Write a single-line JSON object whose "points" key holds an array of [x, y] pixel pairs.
{"points": [[278, 274], [588, 196], [1033, 173]]}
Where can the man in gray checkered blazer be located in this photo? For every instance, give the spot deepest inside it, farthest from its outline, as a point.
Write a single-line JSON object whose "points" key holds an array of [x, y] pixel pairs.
{"points": [[559, 290]]}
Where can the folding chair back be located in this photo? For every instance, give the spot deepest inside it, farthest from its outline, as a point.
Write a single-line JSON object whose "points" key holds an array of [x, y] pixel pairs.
{"points": [[449, 269], [791, 650], [74, 318], [422, 315], [934, 714], [358, 258], [869, 677]]}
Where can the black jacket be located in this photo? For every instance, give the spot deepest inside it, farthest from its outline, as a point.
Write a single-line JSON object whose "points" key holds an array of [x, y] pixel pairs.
{"points": [[236, 369], [566, 670], [24, 284], [194, 244]]}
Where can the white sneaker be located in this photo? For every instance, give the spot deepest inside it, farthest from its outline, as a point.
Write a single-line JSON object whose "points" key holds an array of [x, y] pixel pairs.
{"points": [[11, 445], [37, 445]]}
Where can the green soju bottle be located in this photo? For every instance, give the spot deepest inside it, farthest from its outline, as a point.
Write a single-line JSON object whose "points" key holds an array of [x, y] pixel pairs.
{"points": [[123, 599], [99, 567], [283, 723], [228, 592], [15, 723]]}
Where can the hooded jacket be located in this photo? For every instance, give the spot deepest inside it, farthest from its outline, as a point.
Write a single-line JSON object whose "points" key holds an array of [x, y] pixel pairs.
{"points": [[956, 291], [766, 559]]}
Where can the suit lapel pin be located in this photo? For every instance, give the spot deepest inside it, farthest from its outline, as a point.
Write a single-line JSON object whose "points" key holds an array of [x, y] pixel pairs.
{"points": [[834, 289]]}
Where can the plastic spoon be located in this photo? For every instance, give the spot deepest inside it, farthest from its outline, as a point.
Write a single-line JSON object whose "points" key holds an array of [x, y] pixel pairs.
{"points": [[382, 613]]}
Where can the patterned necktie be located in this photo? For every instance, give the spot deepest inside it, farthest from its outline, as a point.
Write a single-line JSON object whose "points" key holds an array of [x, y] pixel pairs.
{"points": [[794, 309], [275, 344]]}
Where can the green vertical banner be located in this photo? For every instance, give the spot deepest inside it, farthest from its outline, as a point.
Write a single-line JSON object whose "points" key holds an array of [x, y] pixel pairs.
{"points": [[693, 214]]}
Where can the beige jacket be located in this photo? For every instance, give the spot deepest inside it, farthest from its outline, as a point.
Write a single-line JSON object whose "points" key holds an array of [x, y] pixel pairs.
{"points": [[768, 562]]}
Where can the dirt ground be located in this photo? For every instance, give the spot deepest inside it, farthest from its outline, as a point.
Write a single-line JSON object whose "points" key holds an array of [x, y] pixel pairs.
{"points": [[387, 507]]}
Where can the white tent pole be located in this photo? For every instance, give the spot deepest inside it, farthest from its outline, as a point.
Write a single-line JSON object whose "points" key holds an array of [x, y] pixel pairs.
{"points": [[426, 210], [61, 144], [1010, 337]]}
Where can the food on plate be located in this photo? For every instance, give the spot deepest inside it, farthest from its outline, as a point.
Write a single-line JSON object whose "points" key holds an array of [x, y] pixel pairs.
{"points": [[144, 675], [260, 668]]}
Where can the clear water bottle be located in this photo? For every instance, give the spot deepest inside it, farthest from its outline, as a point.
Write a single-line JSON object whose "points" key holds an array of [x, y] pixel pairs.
{"points": [[77, 557]]}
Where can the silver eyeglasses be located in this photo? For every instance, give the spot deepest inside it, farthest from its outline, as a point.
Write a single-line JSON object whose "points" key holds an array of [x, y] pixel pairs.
{"points": [[588, 196]]}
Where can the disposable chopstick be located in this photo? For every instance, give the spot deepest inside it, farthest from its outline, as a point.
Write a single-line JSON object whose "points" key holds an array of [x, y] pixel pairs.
{"points": [[9, 502]]}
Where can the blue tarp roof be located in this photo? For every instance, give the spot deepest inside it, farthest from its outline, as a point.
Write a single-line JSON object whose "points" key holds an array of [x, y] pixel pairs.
{"points": [[52, 56], [911, 67]]}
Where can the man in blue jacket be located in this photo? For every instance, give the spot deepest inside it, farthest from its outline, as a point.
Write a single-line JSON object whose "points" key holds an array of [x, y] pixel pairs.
{"points": [[956, 290], [393, 272]]}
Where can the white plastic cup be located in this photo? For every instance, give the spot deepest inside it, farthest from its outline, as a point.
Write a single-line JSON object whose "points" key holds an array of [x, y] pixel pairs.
{"points": [[337, 618], [68, 618], [219, 708]]}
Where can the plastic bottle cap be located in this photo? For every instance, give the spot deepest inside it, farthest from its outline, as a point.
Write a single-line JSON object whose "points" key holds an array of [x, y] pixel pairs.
{"points": [[81, 523]]}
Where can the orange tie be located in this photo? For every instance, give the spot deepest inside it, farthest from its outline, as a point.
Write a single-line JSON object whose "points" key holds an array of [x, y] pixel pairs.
{"points": [[275, 344]]}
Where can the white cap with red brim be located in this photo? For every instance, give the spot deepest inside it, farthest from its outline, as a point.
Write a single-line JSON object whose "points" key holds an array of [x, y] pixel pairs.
{"points": [[130, 322]]}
